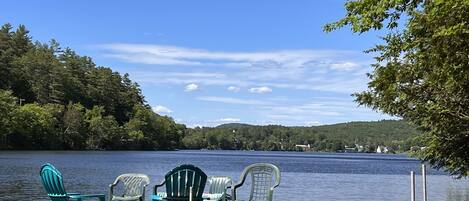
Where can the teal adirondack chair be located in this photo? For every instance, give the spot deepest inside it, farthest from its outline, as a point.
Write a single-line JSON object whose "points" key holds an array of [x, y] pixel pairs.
{"points": [[264, 178], [52, 180], [178, 182]]}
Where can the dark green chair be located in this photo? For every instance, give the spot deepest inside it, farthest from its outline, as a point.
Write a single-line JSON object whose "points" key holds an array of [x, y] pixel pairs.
{"points": [[52, 180], [178, 182]]}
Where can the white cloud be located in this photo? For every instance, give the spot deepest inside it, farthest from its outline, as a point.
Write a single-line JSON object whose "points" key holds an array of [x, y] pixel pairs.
{"points": [[161, 109], [232, 100], [312, 123], [344, 66], [288, 71], [191, 87], [229, 120], [334, 71], [183, 78], [233, 89], [173, 55], [260, 90]]}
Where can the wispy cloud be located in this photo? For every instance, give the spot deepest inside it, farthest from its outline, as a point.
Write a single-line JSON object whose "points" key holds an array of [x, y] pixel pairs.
{"points": [[312, 123], [173, 55], [304, 112], [161, 109], [232, 82], [344, 66], [233, 89], [229, 119], [229, 100], [300, 69], [260, 90], [191, 87]]}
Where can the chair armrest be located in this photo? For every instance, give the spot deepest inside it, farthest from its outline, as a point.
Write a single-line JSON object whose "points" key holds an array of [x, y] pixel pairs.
{"points": [[144, 189], [275, 186], [237, 185], [101, 196], [113, 184], [233, 191], [73, 194], [155, 188], [111, 189]]}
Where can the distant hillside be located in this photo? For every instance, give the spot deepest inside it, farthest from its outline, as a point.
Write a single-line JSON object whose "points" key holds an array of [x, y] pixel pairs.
{"points": [[233, 125], [384, 130], [396, 134]]}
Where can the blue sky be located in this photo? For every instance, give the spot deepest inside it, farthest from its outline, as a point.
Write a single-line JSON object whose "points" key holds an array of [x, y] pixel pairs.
{"points": [[210, 62]]}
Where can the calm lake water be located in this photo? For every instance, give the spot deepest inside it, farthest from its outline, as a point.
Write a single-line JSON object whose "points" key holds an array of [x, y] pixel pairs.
{"points": [[305, 176]]}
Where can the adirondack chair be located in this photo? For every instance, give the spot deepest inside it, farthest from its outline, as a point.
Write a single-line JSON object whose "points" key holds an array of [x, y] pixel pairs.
{"points": [[217, 188], [264, 178], [179, 181], [52, 180], [134, 187]]}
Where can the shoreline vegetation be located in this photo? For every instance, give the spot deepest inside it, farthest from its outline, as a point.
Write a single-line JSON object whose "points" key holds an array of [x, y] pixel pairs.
{"points": [[51, 98]]}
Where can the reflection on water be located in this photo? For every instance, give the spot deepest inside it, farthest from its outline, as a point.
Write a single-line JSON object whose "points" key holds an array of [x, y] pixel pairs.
{"points": [[305, 176], [457, 190]]}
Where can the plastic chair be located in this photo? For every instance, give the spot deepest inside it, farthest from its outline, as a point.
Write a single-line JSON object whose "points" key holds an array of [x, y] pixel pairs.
{"points": [[264, 176], [134, 187], [179, 181], [217, 188], [52, 180]]}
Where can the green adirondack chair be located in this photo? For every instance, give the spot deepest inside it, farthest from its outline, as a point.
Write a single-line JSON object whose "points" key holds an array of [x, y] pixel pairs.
{"points": [[52, 180], [264, 178], [178, 182]]}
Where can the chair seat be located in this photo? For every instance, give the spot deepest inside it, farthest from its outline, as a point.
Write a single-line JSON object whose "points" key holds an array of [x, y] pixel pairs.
{"points": [[126, 198], [214, 196], [205, 196], [156, 197]]}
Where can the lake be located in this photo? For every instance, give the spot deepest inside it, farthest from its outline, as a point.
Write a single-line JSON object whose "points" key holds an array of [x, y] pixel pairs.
{"points": [[305, 176]]}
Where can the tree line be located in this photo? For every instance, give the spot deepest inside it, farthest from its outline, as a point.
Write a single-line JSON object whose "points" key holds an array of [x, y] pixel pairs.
{"points": [[53, 98], [398, 135]]}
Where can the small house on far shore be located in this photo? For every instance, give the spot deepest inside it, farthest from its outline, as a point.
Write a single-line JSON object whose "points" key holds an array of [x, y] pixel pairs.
{"points": [[382, 150], [303, 147]]}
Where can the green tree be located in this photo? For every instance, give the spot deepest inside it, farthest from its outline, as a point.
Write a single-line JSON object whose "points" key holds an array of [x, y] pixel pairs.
{"points": [[51, 78], [42, 70], [74, 128], [8, 106], [34, 127], [194, 140], [421, 71], [104, 131]]}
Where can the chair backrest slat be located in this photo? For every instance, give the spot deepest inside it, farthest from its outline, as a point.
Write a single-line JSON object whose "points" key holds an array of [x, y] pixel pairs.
{"points": [[180, 179], [133, 183], [53, 184], [218, 184]]}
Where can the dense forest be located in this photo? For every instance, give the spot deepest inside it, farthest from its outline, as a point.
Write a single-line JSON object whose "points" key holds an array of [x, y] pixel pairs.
{"points": [[53, 98], [397, 135]]}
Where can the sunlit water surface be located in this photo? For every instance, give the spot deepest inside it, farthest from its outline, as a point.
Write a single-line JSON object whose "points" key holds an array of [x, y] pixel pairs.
{"points": [[305, 176]]}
